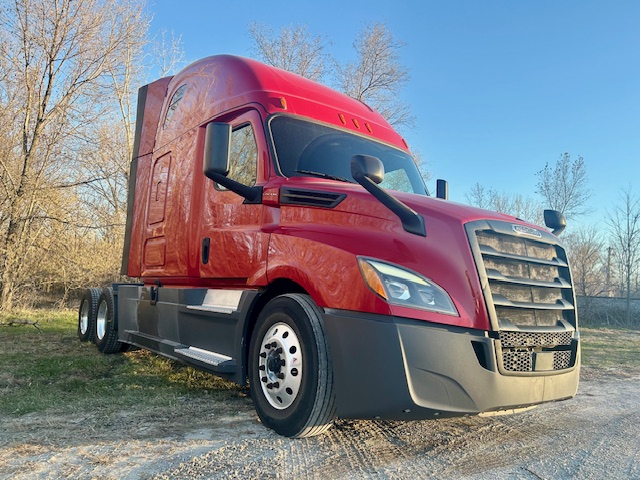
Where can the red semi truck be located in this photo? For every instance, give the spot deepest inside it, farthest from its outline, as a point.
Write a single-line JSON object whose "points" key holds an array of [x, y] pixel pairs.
{"points": [[283, 237]]}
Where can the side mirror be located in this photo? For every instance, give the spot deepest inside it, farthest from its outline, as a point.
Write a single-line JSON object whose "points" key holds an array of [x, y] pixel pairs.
{"points": [[217, 145], [367, 166], [217, 150], [368, 171], [555, 220]]}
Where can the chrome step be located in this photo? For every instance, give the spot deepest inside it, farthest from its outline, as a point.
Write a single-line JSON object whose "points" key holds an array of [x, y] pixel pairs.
{"points": [[205, 356], [212, 308]]}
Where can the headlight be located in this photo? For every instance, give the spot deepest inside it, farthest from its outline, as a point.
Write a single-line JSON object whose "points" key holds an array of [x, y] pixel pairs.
{"points": [[404, 287]]}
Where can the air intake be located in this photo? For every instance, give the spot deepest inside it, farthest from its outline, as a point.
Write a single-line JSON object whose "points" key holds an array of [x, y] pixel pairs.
{"points": [[310, 198]]}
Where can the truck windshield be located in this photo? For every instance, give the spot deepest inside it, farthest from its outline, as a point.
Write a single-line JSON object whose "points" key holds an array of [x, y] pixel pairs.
{"points": [[305, 148]]}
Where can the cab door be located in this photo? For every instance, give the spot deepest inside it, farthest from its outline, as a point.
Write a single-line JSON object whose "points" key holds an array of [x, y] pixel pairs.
{"points": [[233, 246]]}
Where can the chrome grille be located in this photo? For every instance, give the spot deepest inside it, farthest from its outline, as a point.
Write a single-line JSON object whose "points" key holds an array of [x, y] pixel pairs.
{"points": [[528, 279], [529, 295]]}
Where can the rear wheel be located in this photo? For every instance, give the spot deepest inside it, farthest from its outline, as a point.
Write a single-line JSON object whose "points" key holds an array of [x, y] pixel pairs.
{"points": [[87, 314], [106, 334], [291, 376]]}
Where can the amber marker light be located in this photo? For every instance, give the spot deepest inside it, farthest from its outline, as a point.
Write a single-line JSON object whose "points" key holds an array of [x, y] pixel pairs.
{"points": [[283, 103], [342, 119], [369, 129], [355, 122], [271, 196], [372, 278]]}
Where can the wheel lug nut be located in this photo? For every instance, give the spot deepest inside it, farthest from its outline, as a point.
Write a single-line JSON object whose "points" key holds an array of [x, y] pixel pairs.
{"points": [[275, 384], [279, 350], [282, 362], [264, 379], [261, 367], [267, 346], [281, 375], [274, 344], [269, 386], [263, 355]]}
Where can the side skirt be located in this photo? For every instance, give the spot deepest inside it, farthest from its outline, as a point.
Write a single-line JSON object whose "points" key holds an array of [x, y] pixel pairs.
{"points": [[203, 328]]}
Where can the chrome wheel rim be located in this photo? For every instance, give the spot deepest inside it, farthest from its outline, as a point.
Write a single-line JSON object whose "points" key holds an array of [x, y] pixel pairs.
{"points": [[280, 366], [101, 320], [84, 318]]}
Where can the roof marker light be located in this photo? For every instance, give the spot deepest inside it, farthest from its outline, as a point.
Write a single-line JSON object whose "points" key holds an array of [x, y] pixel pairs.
{"points": [[283, 103], [369, 129], [344, 122], [355, 122]]}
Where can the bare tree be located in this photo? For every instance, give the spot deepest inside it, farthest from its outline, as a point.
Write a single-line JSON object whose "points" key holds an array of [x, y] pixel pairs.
{"points": [[624, 224], [167, 52], [377, 75], [110, 150], [585, 247], [422, 164], [564, 186], [55, 61], [294, 49], [516, 205], [479, 196]]}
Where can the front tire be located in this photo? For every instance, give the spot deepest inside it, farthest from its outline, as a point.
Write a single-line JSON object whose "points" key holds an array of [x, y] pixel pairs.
{"points": [[290, 372]]}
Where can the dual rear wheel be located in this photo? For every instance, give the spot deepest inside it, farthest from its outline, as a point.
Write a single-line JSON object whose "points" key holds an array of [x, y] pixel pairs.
{"points": [[87, 314], [96, 320], [290, 371]]}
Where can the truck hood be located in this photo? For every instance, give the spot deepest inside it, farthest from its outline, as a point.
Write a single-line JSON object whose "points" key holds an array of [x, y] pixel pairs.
{"points": [[427, 206]]}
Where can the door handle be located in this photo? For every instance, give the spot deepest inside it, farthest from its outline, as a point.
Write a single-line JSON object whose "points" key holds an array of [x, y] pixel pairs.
{"points": [[206, 244]]}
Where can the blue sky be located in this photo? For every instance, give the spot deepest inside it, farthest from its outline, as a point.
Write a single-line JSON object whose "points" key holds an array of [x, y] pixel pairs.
{"points": [[497, 87]]}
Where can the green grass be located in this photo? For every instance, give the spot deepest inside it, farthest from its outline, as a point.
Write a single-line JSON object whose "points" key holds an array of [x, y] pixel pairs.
{"points": [[605, 348], [52, 369]]}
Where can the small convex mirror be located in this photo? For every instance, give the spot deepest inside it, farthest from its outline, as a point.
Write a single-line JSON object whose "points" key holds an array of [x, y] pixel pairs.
{"points": [[367, 166], [554, 220]]}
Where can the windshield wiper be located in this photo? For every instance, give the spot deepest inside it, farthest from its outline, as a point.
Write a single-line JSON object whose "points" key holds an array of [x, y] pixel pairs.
{"points": [[324, 175]]}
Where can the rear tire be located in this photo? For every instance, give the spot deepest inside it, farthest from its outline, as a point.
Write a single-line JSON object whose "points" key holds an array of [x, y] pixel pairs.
{"points": [[291, 377], [106, 334], [87, 314]]}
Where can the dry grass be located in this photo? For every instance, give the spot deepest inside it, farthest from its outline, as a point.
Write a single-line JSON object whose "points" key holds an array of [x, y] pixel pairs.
{"points": [[52, 370], [606, 348]]}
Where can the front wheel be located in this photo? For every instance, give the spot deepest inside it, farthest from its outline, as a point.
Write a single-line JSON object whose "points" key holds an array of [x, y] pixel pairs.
{"points": [[290, 372]]}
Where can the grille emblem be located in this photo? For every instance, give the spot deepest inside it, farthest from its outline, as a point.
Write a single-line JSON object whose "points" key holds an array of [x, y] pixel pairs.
{"points": [[522, 230]]}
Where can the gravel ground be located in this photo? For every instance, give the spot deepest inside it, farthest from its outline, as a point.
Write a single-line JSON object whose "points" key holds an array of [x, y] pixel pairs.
{"points": [[592, 436]]}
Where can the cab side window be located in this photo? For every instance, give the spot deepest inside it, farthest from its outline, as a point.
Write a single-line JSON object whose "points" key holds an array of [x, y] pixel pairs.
{"points": [[243, 159], [173, 105]]}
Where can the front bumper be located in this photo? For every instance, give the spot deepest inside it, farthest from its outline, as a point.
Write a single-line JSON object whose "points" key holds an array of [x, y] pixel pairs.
{"points": [[399, 369]]}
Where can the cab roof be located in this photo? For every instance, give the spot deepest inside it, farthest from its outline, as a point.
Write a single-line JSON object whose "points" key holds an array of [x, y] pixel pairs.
{"points": [[220, 84]]}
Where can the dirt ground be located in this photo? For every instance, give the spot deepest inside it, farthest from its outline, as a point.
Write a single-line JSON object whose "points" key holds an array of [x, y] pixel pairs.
{"points": [[593, 436]]}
